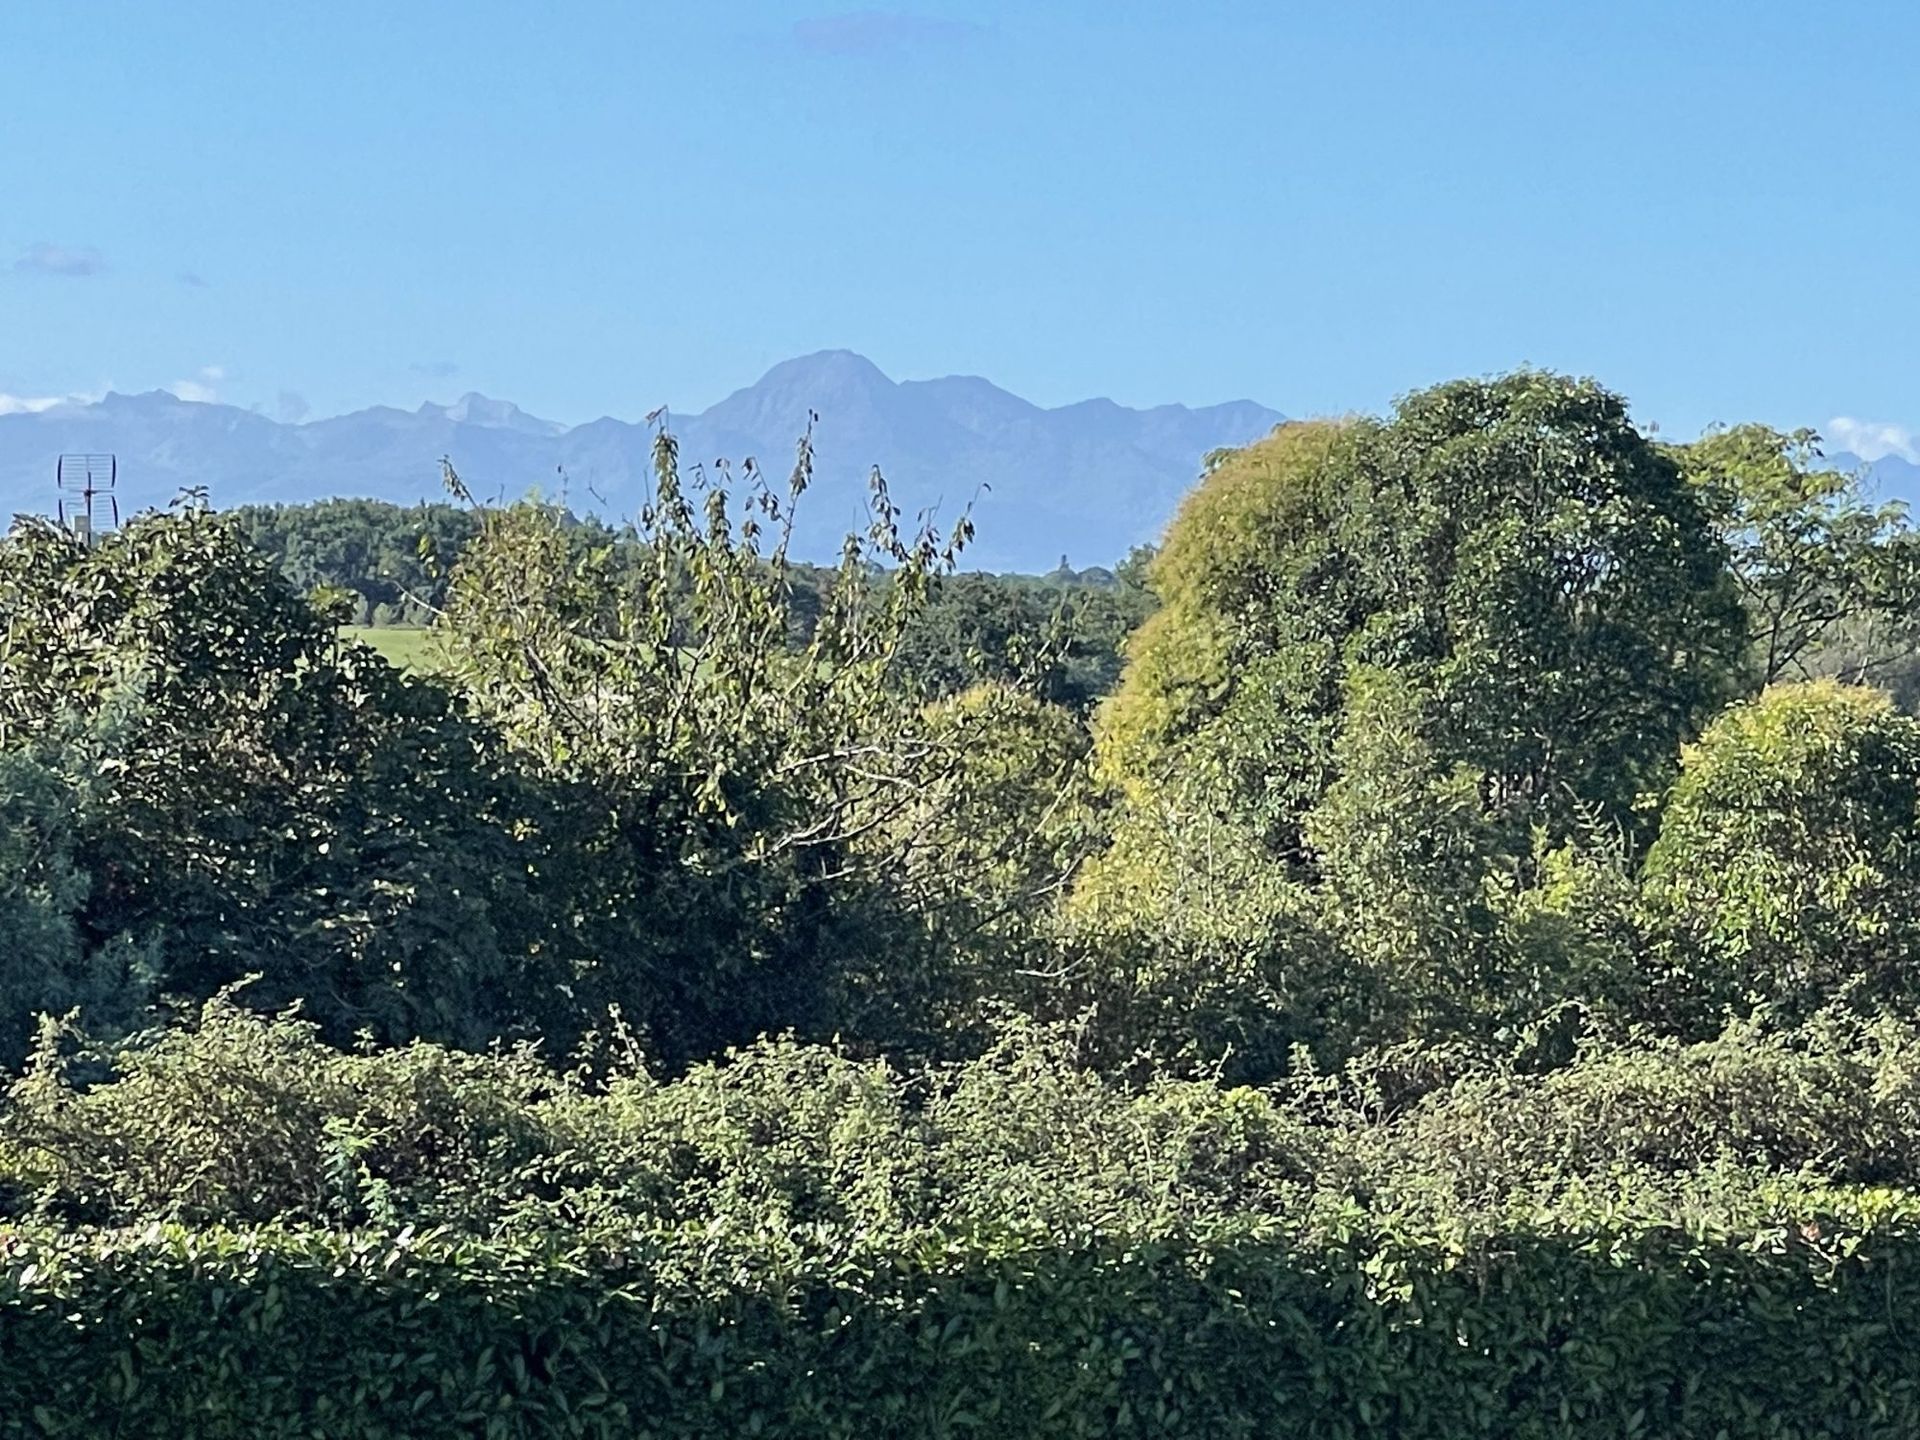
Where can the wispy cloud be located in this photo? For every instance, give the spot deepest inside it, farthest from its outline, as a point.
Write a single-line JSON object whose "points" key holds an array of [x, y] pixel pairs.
{"points": [[881, 32], [203, 389], [438, 369], [34, 404], [290, 407], [1872, 439], [193, 278], [75, 261]]}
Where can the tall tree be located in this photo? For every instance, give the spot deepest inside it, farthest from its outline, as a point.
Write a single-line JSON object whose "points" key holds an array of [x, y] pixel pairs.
{"points": [[1404, 670], [1513, 549], [1817, 565]]}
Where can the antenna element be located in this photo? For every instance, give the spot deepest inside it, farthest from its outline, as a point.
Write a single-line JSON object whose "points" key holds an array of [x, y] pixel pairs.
{"points": [[87, 502]]}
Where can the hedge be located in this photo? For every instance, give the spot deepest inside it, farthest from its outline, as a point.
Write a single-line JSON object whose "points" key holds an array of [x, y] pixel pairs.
{"points": [[1624, 1326]]}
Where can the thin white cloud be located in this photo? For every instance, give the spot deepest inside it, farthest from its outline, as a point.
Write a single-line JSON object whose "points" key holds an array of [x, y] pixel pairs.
{"points": [[35, 404], [291, 407], [1872, 439], [75, 261], [203, 389]]}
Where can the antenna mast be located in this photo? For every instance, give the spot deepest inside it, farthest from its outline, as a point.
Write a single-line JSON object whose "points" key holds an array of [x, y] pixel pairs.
{"points": [[87, 502]]}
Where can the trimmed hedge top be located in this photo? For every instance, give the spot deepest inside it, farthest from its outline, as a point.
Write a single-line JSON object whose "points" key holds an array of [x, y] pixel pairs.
{"points": [[1787, 1320]]}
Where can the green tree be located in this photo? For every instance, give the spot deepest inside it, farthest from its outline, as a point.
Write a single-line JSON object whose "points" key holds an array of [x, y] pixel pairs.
{"points": [[1819, 569], [394, 558], [260, 798], [1405, 674], [1062, 641], [1513, 549], [725, 789], [1787, 870]]}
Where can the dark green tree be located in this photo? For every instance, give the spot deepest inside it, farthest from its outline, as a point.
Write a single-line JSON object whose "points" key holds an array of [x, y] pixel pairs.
{"points": [[260, 798]]}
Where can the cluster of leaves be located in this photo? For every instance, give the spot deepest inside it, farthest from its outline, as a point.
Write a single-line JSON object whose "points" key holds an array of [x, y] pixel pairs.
{"points": [[1828, 580], [804, 1241]]}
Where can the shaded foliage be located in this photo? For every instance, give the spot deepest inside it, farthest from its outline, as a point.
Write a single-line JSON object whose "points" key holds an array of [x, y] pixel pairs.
{"points": [[394, 560]]}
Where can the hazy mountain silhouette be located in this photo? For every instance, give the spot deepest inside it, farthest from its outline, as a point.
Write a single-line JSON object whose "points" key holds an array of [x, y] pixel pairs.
{"points": [[1087, 480], [1891, 477]]}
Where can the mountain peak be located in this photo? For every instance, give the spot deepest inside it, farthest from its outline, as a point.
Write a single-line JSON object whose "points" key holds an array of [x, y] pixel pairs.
{"points": [[838, 369], [473, 408]]}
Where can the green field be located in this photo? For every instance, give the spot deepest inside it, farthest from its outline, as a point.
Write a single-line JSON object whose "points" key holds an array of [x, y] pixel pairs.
{"points": [[405, 647]]}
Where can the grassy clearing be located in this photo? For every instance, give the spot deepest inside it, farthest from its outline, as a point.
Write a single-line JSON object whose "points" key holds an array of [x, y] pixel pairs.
{"points": [[405, 647]]}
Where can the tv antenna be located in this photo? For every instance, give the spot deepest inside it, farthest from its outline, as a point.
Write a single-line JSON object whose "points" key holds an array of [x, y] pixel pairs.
{"points": [[87, 502]]}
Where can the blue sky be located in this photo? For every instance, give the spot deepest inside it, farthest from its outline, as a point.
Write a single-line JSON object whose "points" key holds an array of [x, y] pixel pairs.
{"points": [[599, 207]]}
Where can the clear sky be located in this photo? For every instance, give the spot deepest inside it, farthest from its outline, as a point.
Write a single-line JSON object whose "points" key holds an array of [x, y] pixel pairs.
{"points": [[599, 207]]}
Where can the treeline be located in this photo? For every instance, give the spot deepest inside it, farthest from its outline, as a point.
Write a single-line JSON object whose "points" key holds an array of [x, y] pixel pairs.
{"points": [[1059, 634], [1493, 848], [389, 563], [1430, 737]]}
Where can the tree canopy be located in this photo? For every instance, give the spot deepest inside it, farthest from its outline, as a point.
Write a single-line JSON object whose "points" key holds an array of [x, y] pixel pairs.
{"points": [[1539, 573], [1396, 757]]}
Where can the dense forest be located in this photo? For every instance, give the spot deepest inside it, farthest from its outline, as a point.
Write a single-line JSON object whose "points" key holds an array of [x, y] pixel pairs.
{"points": [[1433, 949]]}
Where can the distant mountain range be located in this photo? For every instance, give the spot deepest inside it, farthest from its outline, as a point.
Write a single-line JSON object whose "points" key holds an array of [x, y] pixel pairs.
{"points": [[1085, 481], [1088, 480], [1893, 477]]}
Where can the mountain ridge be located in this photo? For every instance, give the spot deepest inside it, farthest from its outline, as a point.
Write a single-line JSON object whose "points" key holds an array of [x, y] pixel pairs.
{"points": [[1091, 478]]}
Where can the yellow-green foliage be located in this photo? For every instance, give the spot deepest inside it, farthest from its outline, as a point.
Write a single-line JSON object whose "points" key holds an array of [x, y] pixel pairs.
{"points": [[1187, 940], [1787, 871], [1224, 550], [1005, 800], [1816, 563], [1514, 549], [1401, 662], [1000, 811]]}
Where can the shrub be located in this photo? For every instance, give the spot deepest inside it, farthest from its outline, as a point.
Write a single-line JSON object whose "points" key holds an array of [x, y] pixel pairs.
{"points": [[1787, 871], [1772, 1317]]}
